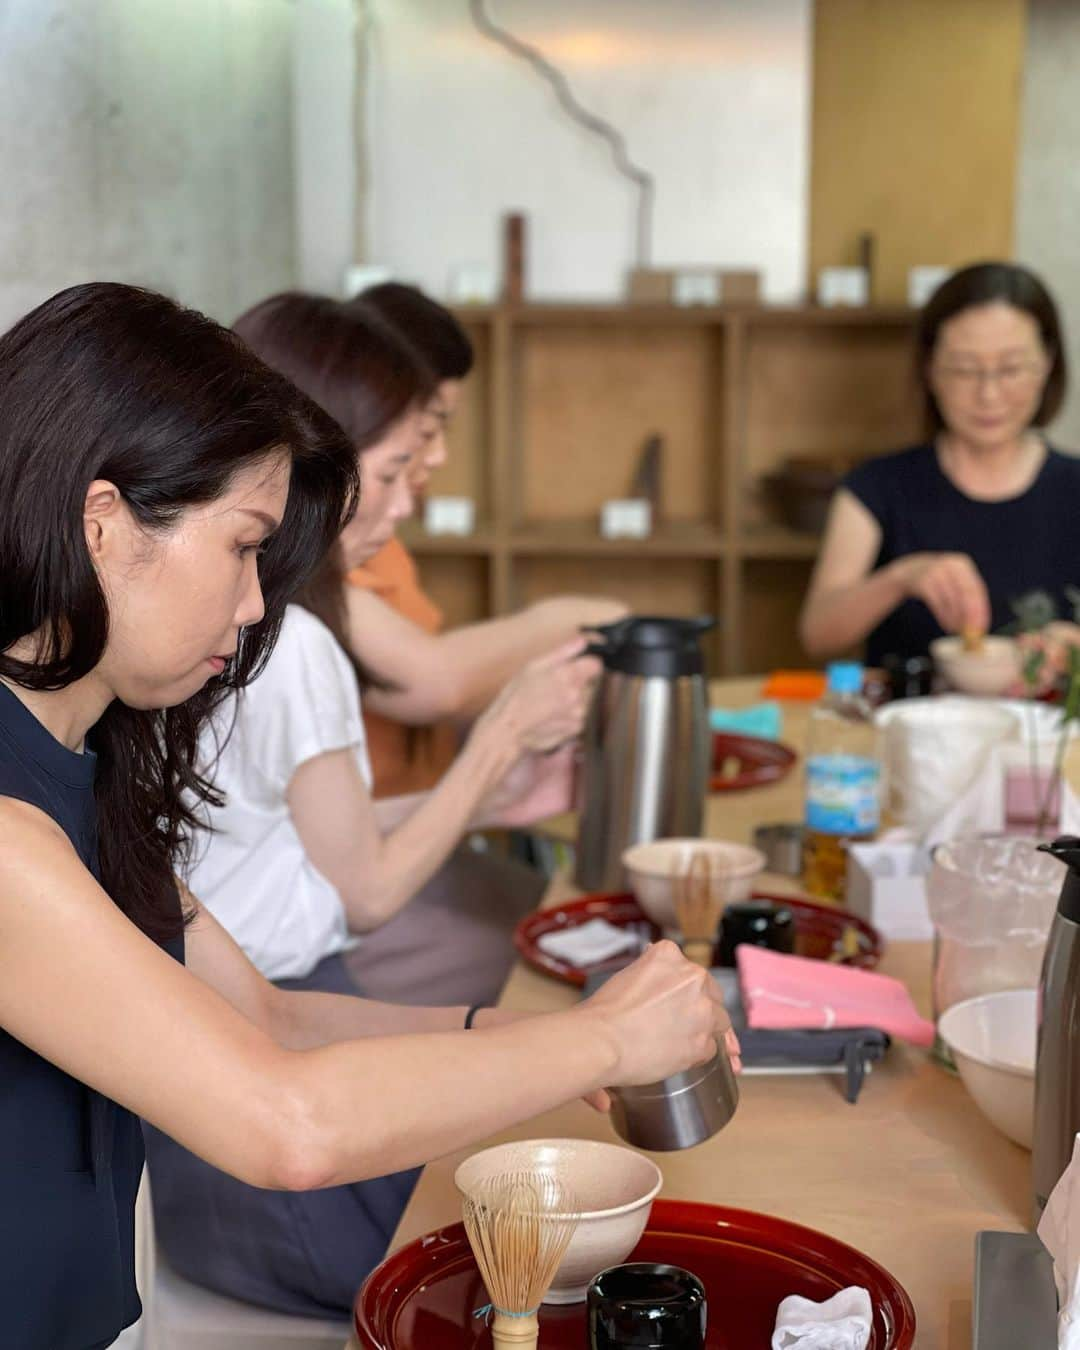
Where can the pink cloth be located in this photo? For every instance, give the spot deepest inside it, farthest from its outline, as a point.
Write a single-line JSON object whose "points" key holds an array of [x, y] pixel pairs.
{"points": [[794, 992]]}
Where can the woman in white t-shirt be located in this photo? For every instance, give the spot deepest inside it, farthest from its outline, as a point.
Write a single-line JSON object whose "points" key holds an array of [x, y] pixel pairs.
{"points": [[298, 863]]}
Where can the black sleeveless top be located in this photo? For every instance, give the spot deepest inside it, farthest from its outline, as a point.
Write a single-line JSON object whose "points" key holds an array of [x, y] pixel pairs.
{"points": [[1021, 545], [70, 1159]]}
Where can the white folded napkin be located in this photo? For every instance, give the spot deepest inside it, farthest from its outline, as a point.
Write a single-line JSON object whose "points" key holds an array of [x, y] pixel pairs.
{"points": [[590, 943], [1059, 1231], [842, 1322]]}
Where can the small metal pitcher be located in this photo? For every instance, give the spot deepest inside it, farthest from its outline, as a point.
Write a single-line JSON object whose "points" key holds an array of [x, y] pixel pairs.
{"points": [[680, 1111]]}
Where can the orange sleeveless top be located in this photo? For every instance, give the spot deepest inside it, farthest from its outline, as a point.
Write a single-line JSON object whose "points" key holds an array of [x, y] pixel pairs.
{"points": [[403, 759]]}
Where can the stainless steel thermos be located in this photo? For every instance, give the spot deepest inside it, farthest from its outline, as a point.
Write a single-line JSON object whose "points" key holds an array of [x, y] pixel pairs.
{"points": [[646, 743], [1057, 1064]]}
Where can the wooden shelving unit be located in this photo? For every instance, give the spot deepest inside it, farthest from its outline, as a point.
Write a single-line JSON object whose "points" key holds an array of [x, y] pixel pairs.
{"points": [[560, 404]]}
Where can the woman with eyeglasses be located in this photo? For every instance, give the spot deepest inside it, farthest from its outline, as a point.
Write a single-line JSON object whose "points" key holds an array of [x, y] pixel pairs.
{"points": [[950, 535]]}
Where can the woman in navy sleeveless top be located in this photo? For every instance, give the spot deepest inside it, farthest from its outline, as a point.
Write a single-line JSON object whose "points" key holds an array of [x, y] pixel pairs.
{"points": [[161, 494], [955, 534]]}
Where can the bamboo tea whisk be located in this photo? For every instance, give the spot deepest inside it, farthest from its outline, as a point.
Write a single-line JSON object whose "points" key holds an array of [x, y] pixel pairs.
{"points": [[519, 1226], [698, 907]]}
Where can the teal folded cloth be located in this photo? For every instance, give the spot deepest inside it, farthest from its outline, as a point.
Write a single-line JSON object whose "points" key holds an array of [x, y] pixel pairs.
{"points": [[763, 719]]}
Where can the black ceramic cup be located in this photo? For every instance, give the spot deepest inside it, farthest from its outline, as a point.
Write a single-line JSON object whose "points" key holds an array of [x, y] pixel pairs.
{"points": [[644, 1306], [759, 922]]}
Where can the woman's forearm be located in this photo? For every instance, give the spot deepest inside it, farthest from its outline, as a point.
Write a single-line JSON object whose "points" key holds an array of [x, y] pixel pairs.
{"points": [[433, 823], [489, 654], [466, 667], [364, 1108], [303, 1020], [836, 619]]}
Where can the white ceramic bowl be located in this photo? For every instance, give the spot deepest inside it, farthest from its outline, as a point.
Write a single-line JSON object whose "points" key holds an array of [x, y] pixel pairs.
{"points": [[990, 671], [614, 1186], [654, 868], [992, 1039]]}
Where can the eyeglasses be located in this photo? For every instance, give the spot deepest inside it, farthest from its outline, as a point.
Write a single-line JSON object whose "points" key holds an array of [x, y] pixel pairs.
{"points": [[1017, 376]]}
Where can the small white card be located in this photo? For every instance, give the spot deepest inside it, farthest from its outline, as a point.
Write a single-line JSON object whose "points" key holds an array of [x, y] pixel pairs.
{"points": [[473, 283], [626, 518], [449, 515], [359, 276], [692, 287], [922, 282], [843, 286]]}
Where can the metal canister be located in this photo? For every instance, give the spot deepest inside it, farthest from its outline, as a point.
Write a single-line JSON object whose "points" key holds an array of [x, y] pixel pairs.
{"points": [[680, 1111]]}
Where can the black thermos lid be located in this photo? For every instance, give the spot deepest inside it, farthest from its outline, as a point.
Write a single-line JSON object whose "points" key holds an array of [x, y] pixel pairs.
{"points": [[652, 645], [1067, 849]]}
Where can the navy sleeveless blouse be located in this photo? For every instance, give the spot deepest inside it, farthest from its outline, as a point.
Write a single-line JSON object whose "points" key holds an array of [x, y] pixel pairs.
{"points": [[1022, 544], [70, 1159]]}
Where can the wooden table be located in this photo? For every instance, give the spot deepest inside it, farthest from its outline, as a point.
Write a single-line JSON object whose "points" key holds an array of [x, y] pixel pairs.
{"points": [[908, 1175]]}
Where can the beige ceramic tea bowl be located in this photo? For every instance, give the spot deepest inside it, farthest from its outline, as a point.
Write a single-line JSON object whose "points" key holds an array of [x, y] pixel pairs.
{"points": [[614, 1187], [654, 869], [992, 669]]}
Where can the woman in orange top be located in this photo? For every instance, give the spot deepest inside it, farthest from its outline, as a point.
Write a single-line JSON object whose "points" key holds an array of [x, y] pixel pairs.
{"points": [[434, 680]]}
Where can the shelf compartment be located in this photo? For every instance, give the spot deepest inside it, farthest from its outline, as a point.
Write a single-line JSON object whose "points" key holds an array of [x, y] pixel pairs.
{"points": [[810, 390], [586, 399]]}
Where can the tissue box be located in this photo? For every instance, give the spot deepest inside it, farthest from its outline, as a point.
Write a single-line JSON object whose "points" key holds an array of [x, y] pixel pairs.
{"points": [[886, 886]]}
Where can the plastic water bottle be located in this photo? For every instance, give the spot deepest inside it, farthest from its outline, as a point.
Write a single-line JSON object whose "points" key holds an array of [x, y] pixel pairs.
{"points": [[843, 775]]}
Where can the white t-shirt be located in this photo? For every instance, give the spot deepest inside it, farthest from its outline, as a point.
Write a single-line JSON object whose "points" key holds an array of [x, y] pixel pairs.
{"points": [[252, 872]]}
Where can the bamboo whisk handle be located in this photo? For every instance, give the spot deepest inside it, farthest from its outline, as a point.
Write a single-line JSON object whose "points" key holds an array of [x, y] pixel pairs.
{"points": [[698, 950], [519, 1333]]}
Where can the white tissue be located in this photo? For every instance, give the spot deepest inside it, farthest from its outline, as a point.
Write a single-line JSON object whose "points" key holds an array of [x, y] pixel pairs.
{"points": [[842, 1322], [1059, 1230], [590, 943]]}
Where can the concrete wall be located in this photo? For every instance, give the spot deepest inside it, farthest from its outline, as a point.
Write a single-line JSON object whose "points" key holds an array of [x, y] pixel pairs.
{"points": [[324, 79], [146, 141], [1048, 190], [712, 96]]}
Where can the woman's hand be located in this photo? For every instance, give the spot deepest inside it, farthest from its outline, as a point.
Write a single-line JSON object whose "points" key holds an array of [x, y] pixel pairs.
{"points": [[950, 585], [664, 1014], [536, 787], [544, 705]]}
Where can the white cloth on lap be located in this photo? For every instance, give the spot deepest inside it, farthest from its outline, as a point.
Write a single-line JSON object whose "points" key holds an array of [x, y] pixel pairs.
{"points": [[842, 1322], [252, 872]]}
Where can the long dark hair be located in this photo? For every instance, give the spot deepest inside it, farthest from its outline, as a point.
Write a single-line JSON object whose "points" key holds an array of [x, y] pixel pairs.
{"points": [[988, 283], [424, 323], [363, 374], [113, 382]]}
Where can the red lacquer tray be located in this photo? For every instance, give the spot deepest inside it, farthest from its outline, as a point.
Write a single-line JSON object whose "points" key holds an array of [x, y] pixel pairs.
{"points": [[740, 762], [819, 932], [423, 1297]]}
